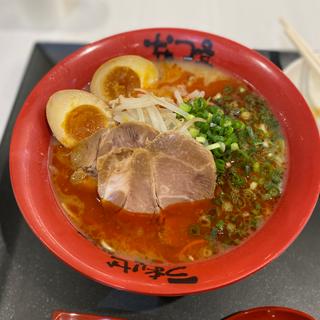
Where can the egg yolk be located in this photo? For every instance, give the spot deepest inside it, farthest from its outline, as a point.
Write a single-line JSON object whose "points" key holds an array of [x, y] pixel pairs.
{"points": [[120, 80], [83, 121]]}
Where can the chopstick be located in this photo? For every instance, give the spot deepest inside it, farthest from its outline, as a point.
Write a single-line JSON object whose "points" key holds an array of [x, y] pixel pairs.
{"points": [[303, 47]]}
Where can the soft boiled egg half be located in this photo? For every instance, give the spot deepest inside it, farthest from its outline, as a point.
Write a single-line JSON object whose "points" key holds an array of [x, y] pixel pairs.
{"points": [[76, 114], [121, 75]]}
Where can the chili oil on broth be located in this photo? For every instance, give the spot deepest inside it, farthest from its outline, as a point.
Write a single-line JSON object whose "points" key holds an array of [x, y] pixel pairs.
{"points": [[185, 231], [194, 76]]}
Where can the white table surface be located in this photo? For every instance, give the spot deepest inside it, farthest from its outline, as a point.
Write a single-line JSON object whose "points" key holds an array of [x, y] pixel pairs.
{"points": [[253, 23]]}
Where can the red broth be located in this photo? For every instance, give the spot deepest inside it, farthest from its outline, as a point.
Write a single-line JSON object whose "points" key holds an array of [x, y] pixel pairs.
{"points": [[245, 195]]}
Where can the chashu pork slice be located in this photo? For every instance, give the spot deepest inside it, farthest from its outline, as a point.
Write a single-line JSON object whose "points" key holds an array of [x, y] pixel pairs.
{"points": [[182, 147], [114, 172], [127, 135], [125, 179], [84, 154], [183, 170], [142, 170], [176, 181]]}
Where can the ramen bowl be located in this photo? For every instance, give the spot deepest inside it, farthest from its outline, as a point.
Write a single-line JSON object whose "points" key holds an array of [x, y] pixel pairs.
{"points": [[268, 312], [35, 197]]}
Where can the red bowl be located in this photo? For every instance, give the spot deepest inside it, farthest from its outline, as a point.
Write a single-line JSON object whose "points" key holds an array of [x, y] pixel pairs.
{"points": [[30, 179], [265, 313], [271, 313], [62, 315]]}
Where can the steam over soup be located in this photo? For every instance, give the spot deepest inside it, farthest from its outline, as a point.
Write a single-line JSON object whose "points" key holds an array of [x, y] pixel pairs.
{"points": [[165, 162]]}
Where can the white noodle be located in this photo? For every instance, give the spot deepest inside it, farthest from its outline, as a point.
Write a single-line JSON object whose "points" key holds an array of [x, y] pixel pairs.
{"points": [[145, 101], [152, 118], [195, 94], [141, 115], [156, 119], [160, 112], [171, 106], [182, 90], [134, 114], [163, 126], [178, 97], [170, 119], [113, 103], [123, 117]]}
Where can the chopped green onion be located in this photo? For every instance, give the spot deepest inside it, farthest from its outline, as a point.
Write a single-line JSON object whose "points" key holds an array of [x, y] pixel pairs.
{"points": [[253, 185], [234, 146], [220, 225], [217, 96], [204, 114], [204, 127], [228, 130], [202, 140], [216, 119], [256, 167], [266, 196], [265, 143], [217, 153], [276, 176], [226, 123], [220, 164], [217, 145], [190, 116], [243, 154], [250, 132], [185, 107], [245, 115], [231, 139], [274, 192], [199, 104], [215, 138], [227, 206], [237, 124], [200, 125], [237, 180], [214, 109], [194, 132], [231, 227]]}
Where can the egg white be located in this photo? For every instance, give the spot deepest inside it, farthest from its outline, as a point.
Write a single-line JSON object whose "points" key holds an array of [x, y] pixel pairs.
{"points": [[64, 101]]}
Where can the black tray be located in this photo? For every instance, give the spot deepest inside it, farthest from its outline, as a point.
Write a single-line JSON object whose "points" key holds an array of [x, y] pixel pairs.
{"points": [[34, 282]]}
